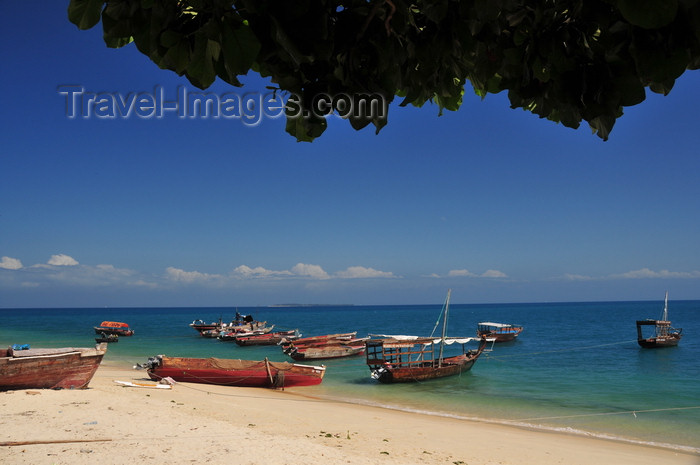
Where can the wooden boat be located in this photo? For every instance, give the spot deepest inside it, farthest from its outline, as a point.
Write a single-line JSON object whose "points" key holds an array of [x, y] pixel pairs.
{"points": [[229, 372], [201, 325], [109, 338], [64, 368], [231, 333], [269, 339], [319, 340], [328, 351], [240, 323], [498, 332], [114, 327], [664, 335], [402, 359]]}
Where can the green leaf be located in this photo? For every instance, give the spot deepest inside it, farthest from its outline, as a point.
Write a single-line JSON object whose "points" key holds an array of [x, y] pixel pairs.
{"points": [[239, 47], [85, 13], [177, 57], [200, 70], [305, 129], [648, 14]]}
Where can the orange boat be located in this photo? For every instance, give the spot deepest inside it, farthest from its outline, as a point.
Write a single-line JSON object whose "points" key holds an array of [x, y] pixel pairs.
{"points": [[114, 327]]}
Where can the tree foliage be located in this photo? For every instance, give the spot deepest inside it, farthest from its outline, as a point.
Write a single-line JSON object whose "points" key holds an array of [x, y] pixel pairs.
{"points": [[564, 60]]}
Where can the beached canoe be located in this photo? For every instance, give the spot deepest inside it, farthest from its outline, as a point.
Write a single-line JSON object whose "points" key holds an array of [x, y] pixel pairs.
{"points": [[232, 372], [62, 368]]}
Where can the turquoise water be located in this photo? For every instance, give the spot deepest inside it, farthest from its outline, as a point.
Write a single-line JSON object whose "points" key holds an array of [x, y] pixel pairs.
{"points": [[576, 367]]}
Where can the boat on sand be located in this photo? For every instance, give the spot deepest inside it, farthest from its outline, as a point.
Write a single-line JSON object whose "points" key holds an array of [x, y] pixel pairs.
{"points": [[233, 372], [56, 368]]}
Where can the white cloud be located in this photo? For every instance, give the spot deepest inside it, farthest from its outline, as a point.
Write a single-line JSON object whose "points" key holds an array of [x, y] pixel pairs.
{"points": [[258, 272], [362, 272], [469, 274], [180, 275], [8, 263], [642, 273], [578, 277], [493, 274], [312, 271], [453, 273], [645, 273], [62, 260]]}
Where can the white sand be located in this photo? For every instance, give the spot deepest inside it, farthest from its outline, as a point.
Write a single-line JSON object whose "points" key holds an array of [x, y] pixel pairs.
{"points": [[194, 423]]}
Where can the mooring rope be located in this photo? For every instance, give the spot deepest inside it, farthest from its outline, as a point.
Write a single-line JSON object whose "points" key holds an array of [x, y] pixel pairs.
{"points": [[633, 412], [527, 354]]}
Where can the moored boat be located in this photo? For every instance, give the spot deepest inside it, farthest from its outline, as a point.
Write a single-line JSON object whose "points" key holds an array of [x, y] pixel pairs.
{"points": [[402, 359], [328, 351], [60, 368], [231, 372], [114, 327], [231, 333], [664, 335], [201, 325], [109, 338], [268, 339], [321, 340], [498, 332]]}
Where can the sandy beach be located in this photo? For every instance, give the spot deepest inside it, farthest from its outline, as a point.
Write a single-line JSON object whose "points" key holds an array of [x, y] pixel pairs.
{"points": [[192, 424]]}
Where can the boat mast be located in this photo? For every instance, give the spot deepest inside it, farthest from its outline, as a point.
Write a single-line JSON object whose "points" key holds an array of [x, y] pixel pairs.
{"points": [[664, 317], [444, 326]]}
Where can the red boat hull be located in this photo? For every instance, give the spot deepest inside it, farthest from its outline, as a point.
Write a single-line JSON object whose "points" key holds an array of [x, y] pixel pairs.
{"points": [[242, 373], [69, 368], [450, 366]]}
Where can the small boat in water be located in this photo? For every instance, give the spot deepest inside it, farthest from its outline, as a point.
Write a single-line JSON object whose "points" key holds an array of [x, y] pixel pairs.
{"points": [[265, 339], [230, 372], [664, 335], [114, 327], [62, 368], [318, 340], [201, 325], [109, 338], [231, 333], [325, 346], [402, 359], [498, 332], [327, 351]]}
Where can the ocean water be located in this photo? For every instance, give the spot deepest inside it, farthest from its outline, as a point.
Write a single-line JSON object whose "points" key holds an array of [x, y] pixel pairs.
{"points": [[575, 368]]}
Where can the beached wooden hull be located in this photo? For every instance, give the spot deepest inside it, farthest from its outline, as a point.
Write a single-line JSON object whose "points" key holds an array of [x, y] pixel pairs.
{"points": [[227, 372], [68, 368], [450, 367]]}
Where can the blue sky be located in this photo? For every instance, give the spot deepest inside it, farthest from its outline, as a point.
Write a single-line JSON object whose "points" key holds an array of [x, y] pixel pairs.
{"points": [[493, 202]]}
